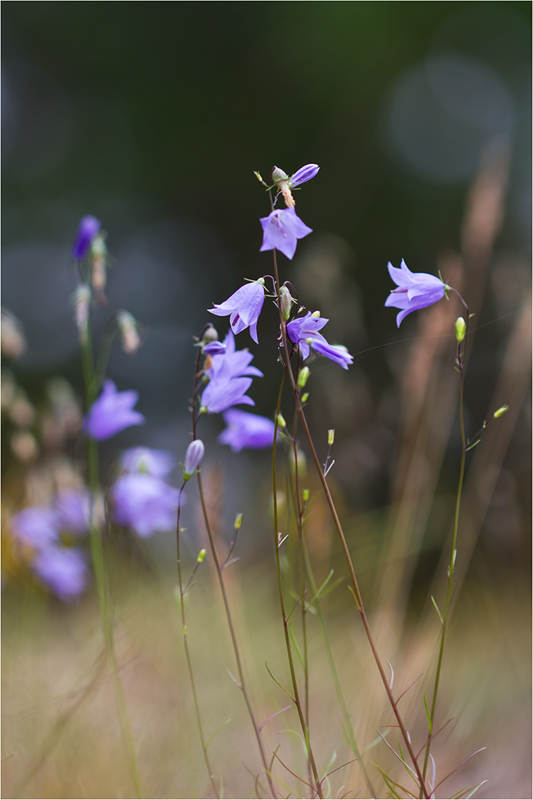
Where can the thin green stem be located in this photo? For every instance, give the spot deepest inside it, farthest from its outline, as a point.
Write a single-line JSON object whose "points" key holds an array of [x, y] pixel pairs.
{"points": [[188, 658]]}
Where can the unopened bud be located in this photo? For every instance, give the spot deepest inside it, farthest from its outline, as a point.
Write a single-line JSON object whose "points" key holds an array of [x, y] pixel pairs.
{"points": [[286, 302], [82, 302], [238, 521], [201, 555], [315, 314], [258, 176], [281, 180], [305, 495], [331, 436], [501, 411], [210, 335], [460, 329], [129, 331], [281, 421], [279, 175], [305, 397], [303, 376], [193, 456], [13, 341]]}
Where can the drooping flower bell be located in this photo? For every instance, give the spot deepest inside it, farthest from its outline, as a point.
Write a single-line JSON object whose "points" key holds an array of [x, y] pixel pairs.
{"points": [[246, 430], [281, 230], [111, 413], [415, 290], [244, 307], [230, 377], [193, 456]]}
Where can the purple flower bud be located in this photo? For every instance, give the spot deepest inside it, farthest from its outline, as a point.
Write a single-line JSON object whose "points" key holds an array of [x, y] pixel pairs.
{"points": [[145, 504], [415, 290], [36, 526], [193, 456], [281, 230], [244, 308], [63, 571], [111, 413], [214, 349], [73, 510], [148, 461], [303, 175], [87, 230], [246, 430]]}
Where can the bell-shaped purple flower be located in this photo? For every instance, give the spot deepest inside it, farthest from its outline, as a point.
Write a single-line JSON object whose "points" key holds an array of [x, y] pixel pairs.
{"points": [[111, 413], [147, 460], [244, 308], [193, 456], [415, 290], [335, 352], [36, 526], [87, 230], [303, 175], [73, 510], [214, 349], [281, 230], [145, 504], [62, 570], [303, 328], [246, 430], [230, 377]]}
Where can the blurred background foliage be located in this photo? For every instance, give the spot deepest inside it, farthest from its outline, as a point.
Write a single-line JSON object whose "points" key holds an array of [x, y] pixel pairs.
{"points": [[153, 116]]}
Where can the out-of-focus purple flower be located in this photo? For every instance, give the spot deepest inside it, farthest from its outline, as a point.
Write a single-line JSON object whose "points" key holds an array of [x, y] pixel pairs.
{"points": [[111, 413], [214, 349], [230, 377], [415, 290], [73, 510], [304, 328], [145, 504], [87, 230], [281, 230], [335, 352], [246, 430], [244, 308], [144, 459], [63, 571], [36, 526], [193, 456], [303, 175]]}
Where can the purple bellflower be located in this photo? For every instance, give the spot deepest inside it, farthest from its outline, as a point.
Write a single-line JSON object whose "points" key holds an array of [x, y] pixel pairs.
{"points": [[36, 526], [415, 290], [73, 510], [146, 460], [304, 331], [214, 348], [244, 308], [193, 456], [62, 570], [335, 352], [111, 413], [246, 430], [281, 230], [145, 503], [303, 175], [87, 230], [230, 377]]}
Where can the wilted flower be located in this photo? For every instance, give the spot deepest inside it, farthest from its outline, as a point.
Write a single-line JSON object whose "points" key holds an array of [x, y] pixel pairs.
{"points": [[147, 460], [193, 456], [111, 413], [230, 376], [87, 230], [63, 571], [415, 290], [281, 230], [36, 526], [246, 430], [145, 503], [244, 308], [73, 510]]}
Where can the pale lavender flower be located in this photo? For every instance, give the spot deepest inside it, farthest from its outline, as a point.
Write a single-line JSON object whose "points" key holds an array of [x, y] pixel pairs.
{"points": [[281, 230], [145, 459], [63, 571], [36, 526], [246, 430], [304, 328], [335, 352], [303, 175], [230, 377], [87, 230], [415, 290], [244, 308], [145, 504], [193, 456], [73, 510], [214, 349], [111, 413]]}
